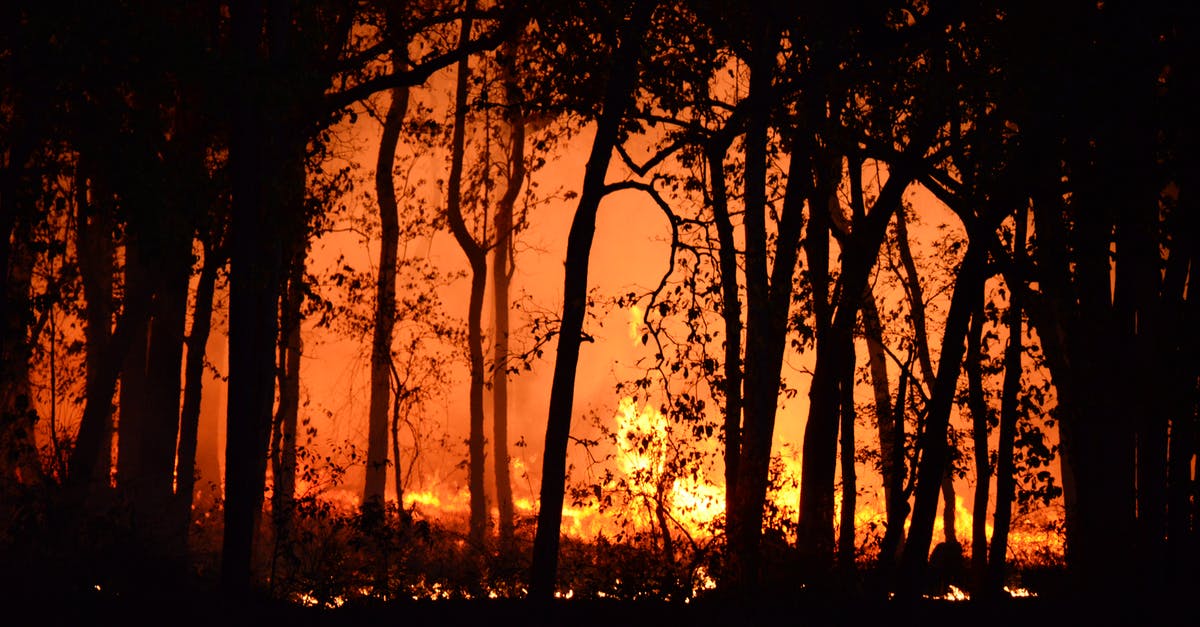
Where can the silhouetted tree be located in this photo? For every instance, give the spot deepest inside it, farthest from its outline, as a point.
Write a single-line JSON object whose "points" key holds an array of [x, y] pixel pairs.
{"points": [[618, 96]]}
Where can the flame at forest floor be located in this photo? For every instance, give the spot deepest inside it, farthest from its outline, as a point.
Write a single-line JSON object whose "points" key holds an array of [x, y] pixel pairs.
{"points": [[638, 525], [637, 486]]}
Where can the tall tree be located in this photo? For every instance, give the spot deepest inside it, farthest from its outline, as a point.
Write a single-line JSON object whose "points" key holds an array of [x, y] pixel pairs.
{"points": [[997, 560], [476, 252], [385, 302], [618, 97], [502, 268]]}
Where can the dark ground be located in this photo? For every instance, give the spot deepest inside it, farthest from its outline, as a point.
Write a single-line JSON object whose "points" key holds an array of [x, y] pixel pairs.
{"points": [[43, 609]]}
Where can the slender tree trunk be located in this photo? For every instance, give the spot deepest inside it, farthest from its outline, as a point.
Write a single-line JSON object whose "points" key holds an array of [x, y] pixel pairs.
{"points": [[731, 315], [385, 303], [891, 447], [1179, 284], [98, 407], [477, 258], [212, 409], [897, 505], [189, 421], [745, 510], [979, 432], [501, 269], [949, 511], [916, 299], [846, 547], [1138, 305], [1009, 415], [283, 454], [397, 469], [619, 95]]}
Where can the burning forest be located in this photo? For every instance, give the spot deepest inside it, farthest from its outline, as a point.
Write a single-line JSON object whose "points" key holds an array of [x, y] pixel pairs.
{"points": [[365, 304]]}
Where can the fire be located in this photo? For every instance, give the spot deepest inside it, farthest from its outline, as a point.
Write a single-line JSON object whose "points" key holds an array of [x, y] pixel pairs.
{"points": [[635, 324], [641, 478]]}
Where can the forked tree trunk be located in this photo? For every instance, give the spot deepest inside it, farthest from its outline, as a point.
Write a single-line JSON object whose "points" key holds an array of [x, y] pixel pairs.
{"points": [[820, 435], [931, 472]]}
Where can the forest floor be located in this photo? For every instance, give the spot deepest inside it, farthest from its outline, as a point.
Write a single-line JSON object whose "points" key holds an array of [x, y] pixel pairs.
{"points": [[214, 611]]}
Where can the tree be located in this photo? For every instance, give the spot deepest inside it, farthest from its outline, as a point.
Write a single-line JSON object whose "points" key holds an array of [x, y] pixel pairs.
{"points": [[385, 303], [502, 268], [618, 97]]}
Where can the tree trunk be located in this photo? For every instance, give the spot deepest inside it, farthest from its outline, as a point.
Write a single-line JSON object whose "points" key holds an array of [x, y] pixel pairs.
{"points": [[501, 271], [197, 343], [97, 412], [761, 377], [916, 299], [266, 162], [94, 243], [287, 414], [979, 432], [1009, 415], [134, 387], [385, 304], [477, 258], [619, 95], [212, 409], [1183, 372], [931, 471], [846, 547], [815, 531], [897, 504], [154, 490], [731, 315], [949, 512]]}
